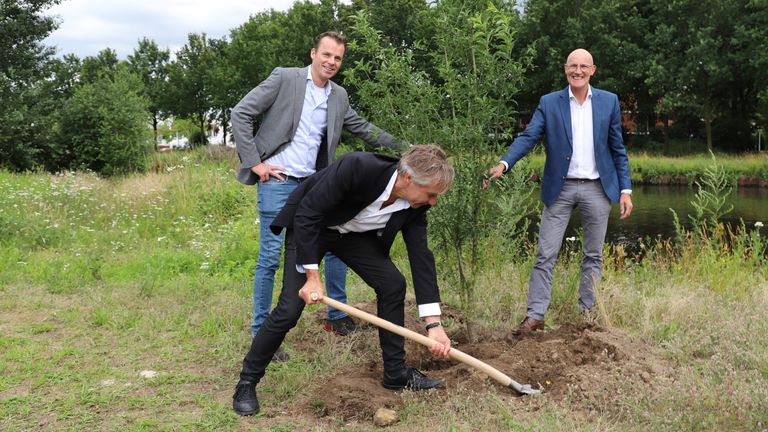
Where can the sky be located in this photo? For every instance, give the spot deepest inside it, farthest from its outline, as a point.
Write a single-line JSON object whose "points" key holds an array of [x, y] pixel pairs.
{"points": [[89, 26]]}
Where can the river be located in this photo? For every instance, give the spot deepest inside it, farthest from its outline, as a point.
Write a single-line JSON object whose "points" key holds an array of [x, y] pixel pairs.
{"points": [[651, 216]]}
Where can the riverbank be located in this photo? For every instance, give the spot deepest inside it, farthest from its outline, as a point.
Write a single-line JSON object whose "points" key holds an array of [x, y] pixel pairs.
{"points": [[749, 170]]}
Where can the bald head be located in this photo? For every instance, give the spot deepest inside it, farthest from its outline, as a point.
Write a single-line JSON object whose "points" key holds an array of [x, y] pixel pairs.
{"points": [[579, 68], [579, 56]]}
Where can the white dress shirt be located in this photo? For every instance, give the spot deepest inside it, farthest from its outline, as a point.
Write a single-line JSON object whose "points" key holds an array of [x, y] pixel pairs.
{"points": [[300, 156], [582, 164]]}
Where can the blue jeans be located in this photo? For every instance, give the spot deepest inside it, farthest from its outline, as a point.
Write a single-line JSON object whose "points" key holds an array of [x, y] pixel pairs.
{"points": [[272, 195]]}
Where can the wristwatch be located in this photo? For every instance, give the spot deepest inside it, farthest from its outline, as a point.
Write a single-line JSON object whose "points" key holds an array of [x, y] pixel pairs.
{"points": [[433, 325]]}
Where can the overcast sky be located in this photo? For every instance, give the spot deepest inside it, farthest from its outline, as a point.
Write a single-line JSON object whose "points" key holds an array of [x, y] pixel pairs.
{"points": [[89, 26]]}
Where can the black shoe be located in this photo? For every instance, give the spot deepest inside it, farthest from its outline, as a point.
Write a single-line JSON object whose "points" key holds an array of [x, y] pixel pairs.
{"points": [[342, 326], [244, 401], [411, 379], [280, 355]]}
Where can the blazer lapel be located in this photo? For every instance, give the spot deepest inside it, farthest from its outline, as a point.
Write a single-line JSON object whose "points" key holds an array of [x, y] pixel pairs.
{"points": [[300, 89], [565, 112], [333, 108], [596, 110]]}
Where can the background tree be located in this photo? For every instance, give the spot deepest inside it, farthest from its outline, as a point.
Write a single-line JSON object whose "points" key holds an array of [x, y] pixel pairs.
{"points": [[707, 49], [151, 63], [189, 92], [102, 65], [49, 96], [104, 124], [223, 85], [22, 64]]}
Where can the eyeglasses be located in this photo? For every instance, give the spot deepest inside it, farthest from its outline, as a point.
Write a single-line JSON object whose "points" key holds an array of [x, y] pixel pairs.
{"points": [[572, 67]]}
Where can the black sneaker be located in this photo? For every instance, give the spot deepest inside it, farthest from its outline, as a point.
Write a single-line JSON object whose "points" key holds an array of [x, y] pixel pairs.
{"points": [[342, 326], [244, 401], [280, 355], [410, 379]]}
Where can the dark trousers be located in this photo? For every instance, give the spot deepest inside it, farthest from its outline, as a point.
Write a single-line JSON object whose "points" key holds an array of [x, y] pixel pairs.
{"points": [[365, 255]]}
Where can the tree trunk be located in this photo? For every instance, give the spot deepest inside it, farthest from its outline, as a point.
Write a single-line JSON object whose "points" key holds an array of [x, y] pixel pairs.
{"points": [[154, 128], [203, 139], [708, 128], [665, 131], [225, 119]]}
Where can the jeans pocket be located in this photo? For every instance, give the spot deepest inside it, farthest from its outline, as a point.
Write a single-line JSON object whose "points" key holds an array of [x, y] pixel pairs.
{"points": [[272, 195]]}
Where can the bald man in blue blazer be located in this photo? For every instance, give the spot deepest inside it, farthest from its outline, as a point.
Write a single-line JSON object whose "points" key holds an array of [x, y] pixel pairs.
{"points": [[586, 167]]}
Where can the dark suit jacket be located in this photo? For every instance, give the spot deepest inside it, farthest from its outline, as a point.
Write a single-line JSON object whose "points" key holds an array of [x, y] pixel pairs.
{"points": [[553, 119], [336, 194], [279, 100]]}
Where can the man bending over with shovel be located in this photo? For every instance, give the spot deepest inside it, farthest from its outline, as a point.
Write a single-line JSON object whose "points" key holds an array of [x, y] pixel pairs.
{"points": [[354, 208]]}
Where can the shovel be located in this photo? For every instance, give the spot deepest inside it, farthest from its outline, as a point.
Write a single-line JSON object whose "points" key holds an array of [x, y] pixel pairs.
{"points": [[416, 337]]}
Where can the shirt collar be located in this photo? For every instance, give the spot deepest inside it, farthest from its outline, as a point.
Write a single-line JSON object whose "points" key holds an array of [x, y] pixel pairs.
{"points": [[327, 87], [388, 191], [572, 97]]}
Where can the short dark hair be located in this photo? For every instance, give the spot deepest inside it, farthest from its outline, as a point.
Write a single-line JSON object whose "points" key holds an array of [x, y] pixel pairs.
{"points": [[338, 37]]}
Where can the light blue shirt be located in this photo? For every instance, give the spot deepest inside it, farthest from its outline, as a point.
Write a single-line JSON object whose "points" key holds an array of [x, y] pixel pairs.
{"points": [[300, 155]]}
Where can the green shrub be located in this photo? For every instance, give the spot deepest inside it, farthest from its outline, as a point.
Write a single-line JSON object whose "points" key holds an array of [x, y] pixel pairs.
{"points": [[104, 126]]}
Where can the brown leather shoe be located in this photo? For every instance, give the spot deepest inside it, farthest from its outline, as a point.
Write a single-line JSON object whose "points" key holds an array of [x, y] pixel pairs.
{"points": [[342, 326], [529, 325]]}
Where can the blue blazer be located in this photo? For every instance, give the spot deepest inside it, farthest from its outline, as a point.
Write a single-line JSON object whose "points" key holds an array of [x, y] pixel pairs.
{"points": [[553, 120]]}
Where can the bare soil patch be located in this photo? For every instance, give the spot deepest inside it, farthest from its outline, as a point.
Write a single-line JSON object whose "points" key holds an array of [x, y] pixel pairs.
{"points": [[581, 366]]}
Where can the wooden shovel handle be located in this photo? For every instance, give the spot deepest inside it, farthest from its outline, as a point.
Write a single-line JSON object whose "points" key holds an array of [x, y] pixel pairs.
{"points": [[416, 337]]}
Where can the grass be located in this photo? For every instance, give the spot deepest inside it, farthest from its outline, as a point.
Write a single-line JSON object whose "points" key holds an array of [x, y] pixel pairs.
{"points": [[101, 280]]}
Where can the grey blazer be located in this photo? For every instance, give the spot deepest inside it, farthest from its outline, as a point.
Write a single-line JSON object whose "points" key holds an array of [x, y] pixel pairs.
{"points": [[279, 100]]}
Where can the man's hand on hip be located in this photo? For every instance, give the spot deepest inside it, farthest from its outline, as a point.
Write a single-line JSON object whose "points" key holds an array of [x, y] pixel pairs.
{"points": [[265, 170]]}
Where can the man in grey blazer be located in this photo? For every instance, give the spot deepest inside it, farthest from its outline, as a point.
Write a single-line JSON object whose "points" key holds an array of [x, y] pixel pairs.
{"points": [[302, 114]]}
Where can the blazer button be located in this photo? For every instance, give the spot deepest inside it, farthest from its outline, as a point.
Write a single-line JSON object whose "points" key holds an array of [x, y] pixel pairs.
{"points": [[567, 158]]}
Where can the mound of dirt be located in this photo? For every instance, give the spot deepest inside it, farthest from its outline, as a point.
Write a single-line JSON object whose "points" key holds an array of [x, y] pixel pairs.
{"points": [[581, 365]]}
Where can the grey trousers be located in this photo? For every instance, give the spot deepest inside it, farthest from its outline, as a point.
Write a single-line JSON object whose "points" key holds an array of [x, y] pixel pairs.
{"points": [[595, 207]]}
